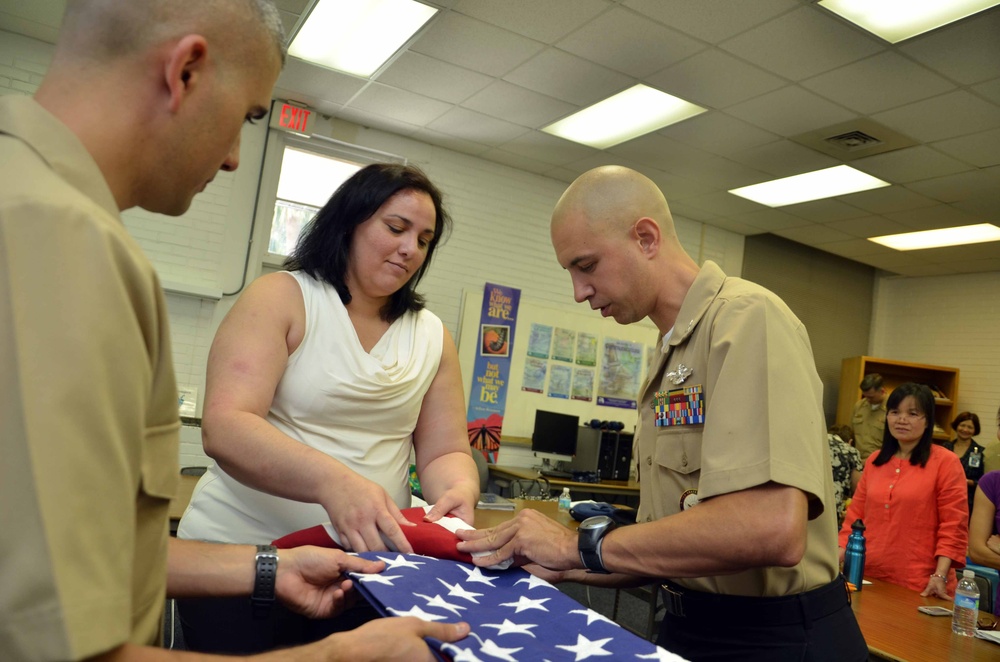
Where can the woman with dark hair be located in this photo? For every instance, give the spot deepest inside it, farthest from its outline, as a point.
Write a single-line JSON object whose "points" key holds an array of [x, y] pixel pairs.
{"points": [[912, 500], [966, 426], [321, 381]]}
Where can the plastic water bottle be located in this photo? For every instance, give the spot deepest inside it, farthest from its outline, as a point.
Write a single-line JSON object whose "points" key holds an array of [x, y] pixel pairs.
{"points": [[854, 555], [564, 500], [966, 606]]}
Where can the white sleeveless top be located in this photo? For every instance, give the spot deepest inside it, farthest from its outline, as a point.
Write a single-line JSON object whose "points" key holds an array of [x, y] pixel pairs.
{"points": [[358, 407]]}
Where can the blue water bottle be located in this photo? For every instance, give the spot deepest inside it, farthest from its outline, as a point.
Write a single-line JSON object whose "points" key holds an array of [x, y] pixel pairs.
{"points": [[854, 556]]}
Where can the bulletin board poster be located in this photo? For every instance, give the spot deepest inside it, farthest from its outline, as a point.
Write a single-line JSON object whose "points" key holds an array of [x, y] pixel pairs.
{"points": [[621, 372], [488, 393]]}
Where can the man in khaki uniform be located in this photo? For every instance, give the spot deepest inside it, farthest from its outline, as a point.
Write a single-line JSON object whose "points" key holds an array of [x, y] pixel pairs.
{"points": [[736, 496], [868, 417], [142, 105]]}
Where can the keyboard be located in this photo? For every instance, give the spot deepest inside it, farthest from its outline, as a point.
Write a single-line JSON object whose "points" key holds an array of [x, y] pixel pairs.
{"points": [[556, 473]]}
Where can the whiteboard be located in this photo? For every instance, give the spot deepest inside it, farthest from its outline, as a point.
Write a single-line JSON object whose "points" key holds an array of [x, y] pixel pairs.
{"points": [[519, 416]]}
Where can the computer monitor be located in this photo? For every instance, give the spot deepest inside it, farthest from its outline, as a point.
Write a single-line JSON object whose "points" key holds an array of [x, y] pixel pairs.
{"points": [[554, 437]]}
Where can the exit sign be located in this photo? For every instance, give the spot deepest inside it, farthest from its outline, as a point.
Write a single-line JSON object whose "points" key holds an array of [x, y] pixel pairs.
{"points": [[289, 117]]}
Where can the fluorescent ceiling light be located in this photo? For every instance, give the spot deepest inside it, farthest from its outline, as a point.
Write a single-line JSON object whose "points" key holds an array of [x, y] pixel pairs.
{"points": [[355, 36], [896, 20], [629, 114], [967, 234], [826, 183]]}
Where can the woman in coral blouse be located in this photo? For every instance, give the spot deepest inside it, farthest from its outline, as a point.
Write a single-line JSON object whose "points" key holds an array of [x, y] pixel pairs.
{"points": [[913, 501]]}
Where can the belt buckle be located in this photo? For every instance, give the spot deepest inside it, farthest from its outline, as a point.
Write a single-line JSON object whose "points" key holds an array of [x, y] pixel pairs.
{"points": [[673, 600]]}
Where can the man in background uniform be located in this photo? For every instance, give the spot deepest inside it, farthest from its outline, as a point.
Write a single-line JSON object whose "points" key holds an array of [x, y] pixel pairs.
{"points": [[868, 418]]}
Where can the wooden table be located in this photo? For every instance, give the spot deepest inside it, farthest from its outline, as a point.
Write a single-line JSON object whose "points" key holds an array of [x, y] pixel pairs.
{"points": [[887, 613], [895, 630], [626, 488]]}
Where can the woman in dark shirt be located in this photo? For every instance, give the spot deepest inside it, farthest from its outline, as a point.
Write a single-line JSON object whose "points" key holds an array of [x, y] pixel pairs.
{"points": [[966, 426]]}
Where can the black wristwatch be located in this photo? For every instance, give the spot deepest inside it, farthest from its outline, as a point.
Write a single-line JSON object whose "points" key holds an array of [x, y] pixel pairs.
{"points": [[263, 586], [592, 531]]}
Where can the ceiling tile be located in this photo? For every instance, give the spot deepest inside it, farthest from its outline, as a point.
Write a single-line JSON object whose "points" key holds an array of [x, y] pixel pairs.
{"points": [[868, 226], [715, 79], [562, 174], [658, 151], [989, 89], [568, 77], [791, 111], [453, 143], [370, 119], [723, 204], [802, 43], [976, 266], [932, 218], [731, 224], [293, 6], [518, 105], [854, 248], [433, 78], [980, 149], [989, 250], [318, 82], [784, 158], [548, 148], [682, 209], [475, 45], [398, 104], [888, 199], [470, 125], [630, 43], [718, 133], [545, 21], [955, 188], [824, 211], [967, 51], [909, 165], [883, 81], [711, 20], [769, 220], [813, 235], [922, 270], [517, 161], [946, 116]]}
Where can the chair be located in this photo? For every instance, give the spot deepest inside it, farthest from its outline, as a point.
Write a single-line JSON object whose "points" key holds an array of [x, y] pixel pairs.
{"points": [[988, 581], [649, 594]]}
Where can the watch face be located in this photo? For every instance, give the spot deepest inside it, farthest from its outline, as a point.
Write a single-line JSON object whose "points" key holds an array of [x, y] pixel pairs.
{"points": [[595, 522]]}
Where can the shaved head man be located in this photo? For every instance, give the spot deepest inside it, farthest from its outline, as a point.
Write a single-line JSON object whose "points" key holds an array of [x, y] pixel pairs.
{"points": [[737, 519], [142, 105]]}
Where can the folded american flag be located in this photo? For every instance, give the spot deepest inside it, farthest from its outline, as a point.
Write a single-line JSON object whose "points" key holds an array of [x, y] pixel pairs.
{"points": [[514, 615]]}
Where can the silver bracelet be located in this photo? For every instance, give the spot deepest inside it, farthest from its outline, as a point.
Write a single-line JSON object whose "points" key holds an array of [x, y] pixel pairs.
{"points": [[941, 577]]}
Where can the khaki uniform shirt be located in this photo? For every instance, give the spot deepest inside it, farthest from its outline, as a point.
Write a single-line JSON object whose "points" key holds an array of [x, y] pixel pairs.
{"points": [[88, 405], [869, 425], [763, 422]]}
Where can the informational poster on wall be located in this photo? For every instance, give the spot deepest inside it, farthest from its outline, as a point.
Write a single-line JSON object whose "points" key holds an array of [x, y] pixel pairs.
{"points": [[570, 360], [491, 371]]}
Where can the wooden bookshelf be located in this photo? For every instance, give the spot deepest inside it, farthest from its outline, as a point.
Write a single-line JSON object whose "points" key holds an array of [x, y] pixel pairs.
{"points": [[894, 373]]}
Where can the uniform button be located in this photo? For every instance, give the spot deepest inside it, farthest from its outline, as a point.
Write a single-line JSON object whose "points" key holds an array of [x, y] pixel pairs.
{"points": [[684, 461], [649, 518], [649, 461]]}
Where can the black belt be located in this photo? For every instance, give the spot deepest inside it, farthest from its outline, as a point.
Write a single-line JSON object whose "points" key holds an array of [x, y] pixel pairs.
{"points": [[744, 610]]}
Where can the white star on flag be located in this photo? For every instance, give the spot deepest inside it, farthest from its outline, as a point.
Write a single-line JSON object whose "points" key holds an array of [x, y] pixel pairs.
{"points": [[476, 575], [585, 648], [524, 603], [458, 591], [535, 582], [415, 610], [438, 601], [377, 579], [400, 562], [555, 628], [593, 616], [507, 627]]}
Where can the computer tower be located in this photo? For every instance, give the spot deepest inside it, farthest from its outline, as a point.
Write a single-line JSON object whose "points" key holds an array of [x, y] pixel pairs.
{"points": [[615, 455], [588, 450]]}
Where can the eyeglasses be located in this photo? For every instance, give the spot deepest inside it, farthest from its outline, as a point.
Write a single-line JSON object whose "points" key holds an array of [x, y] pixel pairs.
{"points": [[910, 416]]}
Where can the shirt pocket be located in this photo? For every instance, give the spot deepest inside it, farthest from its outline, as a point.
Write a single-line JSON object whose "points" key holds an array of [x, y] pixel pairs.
{"points": [[678, 451], [160, 462]]}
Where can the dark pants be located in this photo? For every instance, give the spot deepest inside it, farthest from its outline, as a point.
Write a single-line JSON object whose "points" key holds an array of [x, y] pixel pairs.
{"points": [[817, 626], [227, 625]]}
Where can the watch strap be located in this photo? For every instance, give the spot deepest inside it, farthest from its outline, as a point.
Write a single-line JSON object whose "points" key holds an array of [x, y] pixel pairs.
{"points": [[263, 595]]}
